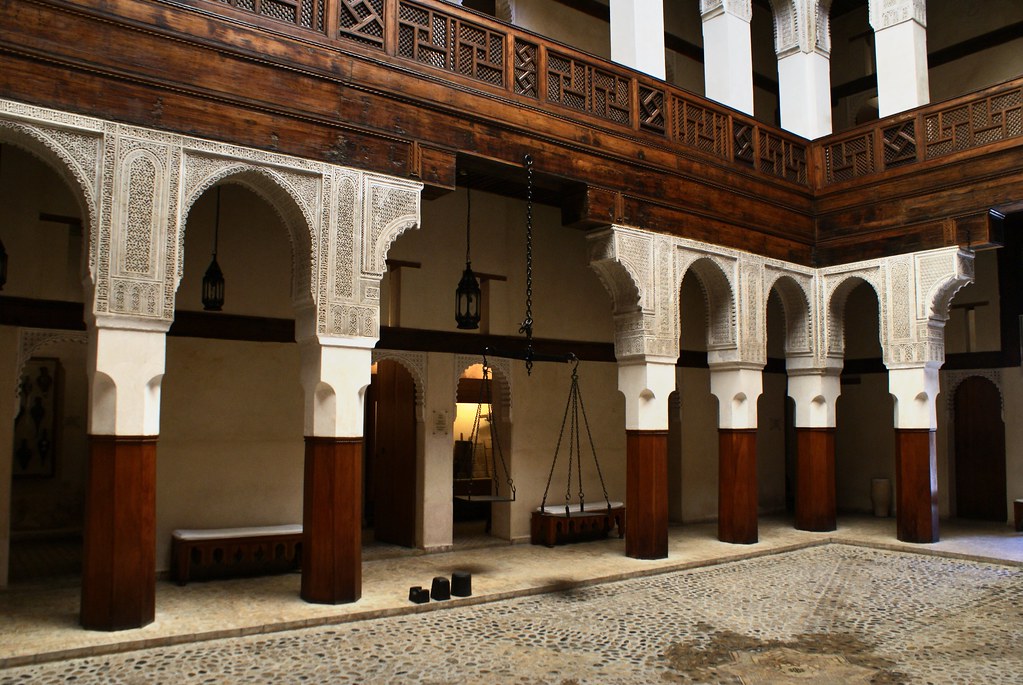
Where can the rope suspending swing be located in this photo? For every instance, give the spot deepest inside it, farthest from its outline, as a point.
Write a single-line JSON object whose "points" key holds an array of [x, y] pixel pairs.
{"points": [[495, 454], [574, 407]]}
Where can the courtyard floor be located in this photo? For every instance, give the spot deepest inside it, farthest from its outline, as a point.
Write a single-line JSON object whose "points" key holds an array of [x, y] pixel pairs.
{"points": [[854, 605]]}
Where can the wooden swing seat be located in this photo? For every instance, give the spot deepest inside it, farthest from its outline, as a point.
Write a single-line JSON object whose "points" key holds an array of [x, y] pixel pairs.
{"points": [[553, 526]]}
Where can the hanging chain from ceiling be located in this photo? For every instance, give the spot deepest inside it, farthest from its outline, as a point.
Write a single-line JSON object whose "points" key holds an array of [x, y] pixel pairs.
{"points": [[527, 322]]}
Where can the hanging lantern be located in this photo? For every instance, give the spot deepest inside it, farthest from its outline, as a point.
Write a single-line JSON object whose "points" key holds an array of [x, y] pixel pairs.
{"points": [[467, 294], [213, 280]]}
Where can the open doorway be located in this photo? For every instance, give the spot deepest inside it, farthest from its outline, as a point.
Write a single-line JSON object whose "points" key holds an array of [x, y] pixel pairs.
{"points": [[979, 451]]}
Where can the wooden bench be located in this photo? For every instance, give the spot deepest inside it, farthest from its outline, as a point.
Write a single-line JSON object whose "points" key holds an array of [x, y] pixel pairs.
{"points": [[554, 526], [235, 552]]}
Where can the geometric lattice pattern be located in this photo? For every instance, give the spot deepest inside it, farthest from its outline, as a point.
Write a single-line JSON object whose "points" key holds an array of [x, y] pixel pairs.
{"points": [[899, 144], [977, 122], [700, 128], [782, 158], [525, 69], [443, 41], [307, 14], [587, 88], [849, 158], [362, 21], [651, 109]]}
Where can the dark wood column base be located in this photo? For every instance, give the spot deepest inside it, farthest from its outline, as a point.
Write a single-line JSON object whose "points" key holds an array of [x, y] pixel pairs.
{"points": [[646, 494], [815, 479], [737, 486], [916, 485], [332, 521], [119, 552]]}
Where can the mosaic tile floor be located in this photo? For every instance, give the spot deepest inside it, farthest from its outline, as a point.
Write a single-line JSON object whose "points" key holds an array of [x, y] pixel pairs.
{"points": [[832, 613]]}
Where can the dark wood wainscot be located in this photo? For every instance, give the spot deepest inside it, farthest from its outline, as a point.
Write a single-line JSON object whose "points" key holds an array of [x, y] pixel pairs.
{"points": [[554, 526], [235, 552]]}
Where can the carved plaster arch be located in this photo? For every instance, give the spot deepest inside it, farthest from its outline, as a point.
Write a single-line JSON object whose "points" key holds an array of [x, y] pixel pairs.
{"points": [[273, 187], [75, 157], [836, 292], [415, 364], [32, 339], [953, 379], [719, 297], [391, 208], [795, 302], [501, 376]]}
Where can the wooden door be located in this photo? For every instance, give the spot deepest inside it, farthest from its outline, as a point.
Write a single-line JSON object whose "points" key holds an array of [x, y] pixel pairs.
{"points": [[393, 460], [979, 451]]}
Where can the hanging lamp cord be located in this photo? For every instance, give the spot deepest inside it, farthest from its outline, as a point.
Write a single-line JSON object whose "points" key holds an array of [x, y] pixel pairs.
{"points": [[468, 214], [527, 323], [216, 225]]}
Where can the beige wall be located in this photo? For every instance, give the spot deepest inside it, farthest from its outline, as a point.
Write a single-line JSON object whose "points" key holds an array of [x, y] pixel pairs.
{"points": [[231, 446]]}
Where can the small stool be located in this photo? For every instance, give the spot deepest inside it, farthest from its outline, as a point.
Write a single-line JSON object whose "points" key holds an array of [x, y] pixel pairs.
{"points": [[1017, 510], [418, 595], [441, 588], [461, 584]]}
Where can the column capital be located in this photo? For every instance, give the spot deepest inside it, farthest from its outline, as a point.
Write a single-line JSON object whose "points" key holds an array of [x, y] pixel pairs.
{"points": [[125, 366], [915, 390], [801, 26], [737, 388], [886, 13], [646, 384], [334, 378], [815, 393], [741, 9]]}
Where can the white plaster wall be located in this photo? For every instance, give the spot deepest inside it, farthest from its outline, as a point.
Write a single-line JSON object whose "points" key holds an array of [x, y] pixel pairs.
{"points": [[231, 448], [771, 444], [254, 252], [57, 502], [1012, 396], [986, 316], [45, 256], [699, 446], [554, 20], [864, 441], [538, 405], [568, 300]]}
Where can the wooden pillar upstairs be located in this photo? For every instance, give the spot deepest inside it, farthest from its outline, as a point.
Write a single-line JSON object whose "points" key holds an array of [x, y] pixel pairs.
{"points": [[646, 486], [332, 520], [119, 550], [916, 485], [737, 485], [815, 479]]}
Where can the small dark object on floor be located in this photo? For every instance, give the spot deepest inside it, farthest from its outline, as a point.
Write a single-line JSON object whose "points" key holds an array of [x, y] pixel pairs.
{"points": [[461, 584], [441, 588], [418, 595]]}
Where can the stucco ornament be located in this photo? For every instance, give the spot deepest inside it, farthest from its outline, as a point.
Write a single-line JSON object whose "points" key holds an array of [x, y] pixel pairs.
{"points": [[742, 9], [801, 26], [415, 364], [885, 13]]}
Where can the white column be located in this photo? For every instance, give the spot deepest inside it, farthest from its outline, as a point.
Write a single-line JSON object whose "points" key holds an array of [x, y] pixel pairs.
{"points": [[737, 391], [900, 44], [915, 390], [334, 378], [803, 45], [646, 386], [815, 393], [125, 368], [434, 478], [728, 52], [637, 35]]}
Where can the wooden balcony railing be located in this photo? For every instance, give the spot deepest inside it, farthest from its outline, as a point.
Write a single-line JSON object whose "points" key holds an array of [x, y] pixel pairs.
{"points": [[927, 133], [460, 44]]}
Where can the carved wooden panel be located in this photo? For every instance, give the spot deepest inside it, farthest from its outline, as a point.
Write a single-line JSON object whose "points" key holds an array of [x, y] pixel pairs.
{"points": [[899, 144], [446, 42], [584, 87], [782, 158], [525, 68], [362, 21], [701, 128], [850, 158], [307, 14], [982, 121], [651, 109], [745, 149]]}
